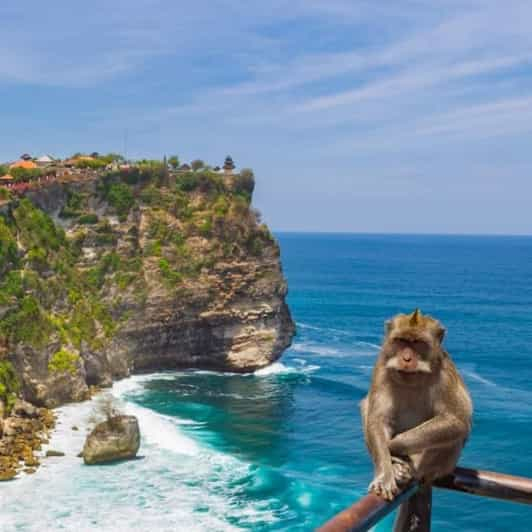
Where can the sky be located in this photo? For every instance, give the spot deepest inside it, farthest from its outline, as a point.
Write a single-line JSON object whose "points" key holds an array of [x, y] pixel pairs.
{"points": [[410, 116]]}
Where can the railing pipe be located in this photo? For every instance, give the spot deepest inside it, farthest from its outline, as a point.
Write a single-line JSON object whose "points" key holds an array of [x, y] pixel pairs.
{"points": [[366, 512], [488, 484], [416, 500]]}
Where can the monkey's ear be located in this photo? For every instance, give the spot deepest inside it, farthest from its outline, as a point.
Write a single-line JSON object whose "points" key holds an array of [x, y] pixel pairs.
{"points": [[440, 333]]}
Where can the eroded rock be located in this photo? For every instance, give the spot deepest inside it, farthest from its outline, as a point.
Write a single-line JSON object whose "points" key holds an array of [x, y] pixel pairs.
{"points": [[118, 438]]}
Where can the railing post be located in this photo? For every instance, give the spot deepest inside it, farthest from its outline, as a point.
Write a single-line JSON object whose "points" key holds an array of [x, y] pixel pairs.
{"points": [[414, 514]]}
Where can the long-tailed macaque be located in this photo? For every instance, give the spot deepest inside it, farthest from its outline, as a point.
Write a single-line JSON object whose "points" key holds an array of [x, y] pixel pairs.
{"points": [[417, 414]]}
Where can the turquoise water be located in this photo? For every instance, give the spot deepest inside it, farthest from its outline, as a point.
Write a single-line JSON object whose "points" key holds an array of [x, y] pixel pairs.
{"points": [[282, 449]]}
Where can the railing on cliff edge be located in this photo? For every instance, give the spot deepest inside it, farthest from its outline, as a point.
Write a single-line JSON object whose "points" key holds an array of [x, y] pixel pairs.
{"points": [[415, 501]]}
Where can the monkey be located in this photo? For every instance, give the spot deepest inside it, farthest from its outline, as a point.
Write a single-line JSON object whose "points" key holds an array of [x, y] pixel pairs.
{"points": [[417, 414]]}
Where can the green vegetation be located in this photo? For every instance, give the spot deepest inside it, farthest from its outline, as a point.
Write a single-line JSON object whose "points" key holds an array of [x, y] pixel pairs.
{"points": [[5, 194], [173, 161], [27, 323], [120, 197], [88, 219], [244, 183], [9, 384], [74, 205], [196, 164], [92, 164], [8, 247], [63, 361], [55, 291], [25, 174], [170, 275], [36, 229]]}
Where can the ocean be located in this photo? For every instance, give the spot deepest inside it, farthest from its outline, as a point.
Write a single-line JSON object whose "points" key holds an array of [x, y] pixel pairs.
{"points": [[282, 448]]}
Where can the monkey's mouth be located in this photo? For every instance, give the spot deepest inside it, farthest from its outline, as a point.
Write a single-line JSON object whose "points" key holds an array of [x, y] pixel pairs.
{"points": [[409, 374]]}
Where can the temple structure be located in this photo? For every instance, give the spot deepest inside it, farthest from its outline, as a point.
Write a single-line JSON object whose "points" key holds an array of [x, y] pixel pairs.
{"points": [[229, 165]]}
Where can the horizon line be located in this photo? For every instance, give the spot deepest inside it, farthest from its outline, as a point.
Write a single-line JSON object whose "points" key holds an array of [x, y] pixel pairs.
{"points": [[382, 233]]}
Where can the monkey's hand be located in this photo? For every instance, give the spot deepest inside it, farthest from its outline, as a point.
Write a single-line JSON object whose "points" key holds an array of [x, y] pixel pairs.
{"points": [[384, 485], [402, 470]]}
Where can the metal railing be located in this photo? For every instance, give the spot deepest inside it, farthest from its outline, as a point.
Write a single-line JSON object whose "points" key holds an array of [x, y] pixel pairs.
{"points": [[416, 501]]}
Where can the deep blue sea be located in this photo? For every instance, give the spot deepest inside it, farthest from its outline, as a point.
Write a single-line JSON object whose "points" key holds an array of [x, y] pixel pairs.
{"points": [[282, 449]]}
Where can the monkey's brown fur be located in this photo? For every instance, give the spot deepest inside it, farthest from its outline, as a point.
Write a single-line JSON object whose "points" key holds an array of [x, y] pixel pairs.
{"points": [[417, 414]]}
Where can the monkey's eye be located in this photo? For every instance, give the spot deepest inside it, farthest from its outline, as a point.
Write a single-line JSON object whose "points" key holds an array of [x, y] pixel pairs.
{"points": [[400, 342], [421, 347]]}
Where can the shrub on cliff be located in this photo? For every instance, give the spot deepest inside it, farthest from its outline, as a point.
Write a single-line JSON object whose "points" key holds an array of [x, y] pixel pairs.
{"points": [[121, 198], [197, 164], [37, 229], [187, 181], [170, 275], [8, 247], [73, 206], [5, 194], [25, 174], [28, 323], [244, 182], [93, 164], [9, 384], [63, 361], [88, 219]]}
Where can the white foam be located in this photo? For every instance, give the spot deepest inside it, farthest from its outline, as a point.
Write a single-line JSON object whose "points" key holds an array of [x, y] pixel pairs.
{"points": [[278, 368], [361, 349], [175, 485], [475, 376], [308, 347]]}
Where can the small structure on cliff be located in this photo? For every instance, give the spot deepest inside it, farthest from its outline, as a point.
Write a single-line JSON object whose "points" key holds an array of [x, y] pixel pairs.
{"points": [[23, 163], [44, 160], [229, 165], [6, 179]]}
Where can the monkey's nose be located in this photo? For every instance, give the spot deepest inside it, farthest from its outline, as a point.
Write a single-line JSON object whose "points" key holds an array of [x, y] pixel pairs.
{"points": [[407, 358]]}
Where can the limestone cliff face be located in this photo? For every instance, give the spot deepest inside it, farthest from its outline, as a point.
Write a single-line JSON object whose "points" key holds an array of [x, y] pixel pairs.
{"points": [[136, 274]]}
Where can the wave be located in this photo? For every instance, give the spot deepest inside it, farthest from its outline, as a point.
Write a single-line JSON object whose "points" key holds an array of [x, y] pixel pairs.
{"points": [[475, 376], [364, 349], [176, 484], [278, 368], [308, 347]]}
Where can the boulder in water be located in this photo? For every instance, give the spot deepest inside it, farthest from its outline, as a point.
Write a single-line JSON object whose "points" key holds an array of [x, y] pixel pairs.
{"points": [[118, 438]]}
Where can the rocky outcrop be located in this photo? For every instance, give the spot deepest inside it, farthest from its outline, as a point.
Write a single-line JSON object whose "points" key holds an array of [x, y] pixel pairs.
{"points": [[23, 433], [118, 438], [139, 277]]}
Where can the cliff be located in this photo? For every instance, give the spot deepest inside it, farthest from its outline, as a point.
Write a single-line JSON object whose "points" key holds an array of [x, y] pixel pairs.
{"points": [[136, 271]]}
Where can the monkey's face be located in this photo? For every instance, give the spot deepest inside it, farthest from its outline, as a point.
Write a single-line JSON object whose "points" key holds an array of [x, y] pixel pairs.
{"points": [[412, 348], [409, 356]]}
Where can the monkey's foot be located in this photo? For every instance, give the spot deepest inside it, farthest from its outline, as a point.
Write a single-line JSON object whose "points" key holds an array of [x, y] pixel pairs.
{"points": [[384, 485], [402, 470]]}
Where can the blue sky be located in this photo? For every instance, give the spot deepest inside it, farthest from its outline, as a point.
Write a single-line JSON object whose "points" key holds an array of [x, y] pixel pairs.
{"points": [[370, 116]]}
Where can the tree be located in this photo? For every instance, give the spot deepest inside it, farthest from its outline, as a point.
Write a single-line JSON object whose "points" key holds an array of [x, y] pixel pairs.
{"points": [[196, 164], [247, 173], [173, 161], [25, 174], [112, 157], [244, 182]]}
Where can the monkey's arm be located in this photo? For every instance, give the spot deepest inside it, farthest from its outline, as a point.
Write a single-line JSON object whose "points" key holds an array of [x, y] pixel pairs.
{"points": [[378, 438], [440, 431]]}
